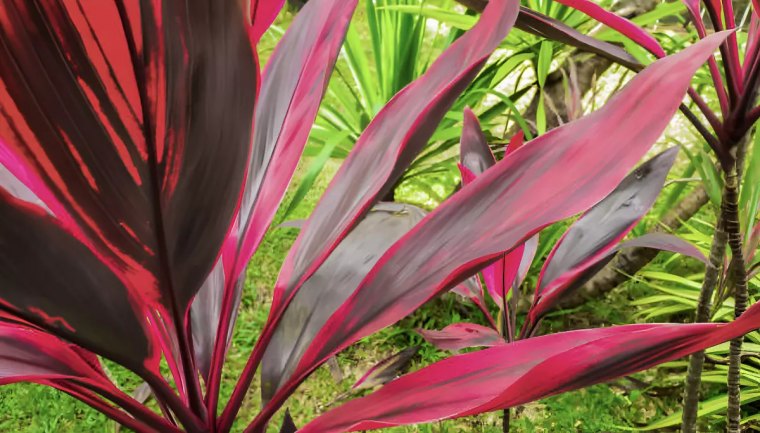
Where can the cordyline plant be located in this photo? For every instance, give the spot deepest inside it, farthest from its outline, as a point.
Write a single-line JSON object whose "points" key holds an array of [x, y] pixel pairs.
{"points": [[589, 244], [736, 80], [144, 158]]}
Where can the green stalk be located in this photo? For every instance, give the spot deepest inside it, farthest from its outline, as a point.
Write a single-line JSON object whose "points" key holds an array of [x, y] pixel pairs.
{"points": [[735, 242], [697, 360]]}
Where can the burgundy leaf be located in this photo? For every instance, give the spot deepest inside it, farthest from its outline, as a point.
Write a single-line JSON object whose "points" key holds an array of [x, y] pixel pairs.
{"points": [[618, 23], [460, 336], [524, 371], [67, 290], [550, 28], [597, 231], [330, 286], [474, 153], [293, 84], [133, 127], [386, 370], [288, 425], [206, 310], [389, 144], [31, 355], [665, 242], [552, 177], [475, 158]]}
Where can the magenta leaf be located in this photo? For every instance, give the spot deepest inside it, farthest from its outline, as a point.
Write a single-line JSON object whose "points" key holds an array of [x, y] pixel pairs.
{"points": [[458, 336], [550, 28], [31, 355], [293, 84], [263, 13], [618, 23], [597, 231], [665, 242], [389, 144], [330, 286], [135, 126], [550, 178], [524, 371], [474, 153], [386, 370], [67, 290]]}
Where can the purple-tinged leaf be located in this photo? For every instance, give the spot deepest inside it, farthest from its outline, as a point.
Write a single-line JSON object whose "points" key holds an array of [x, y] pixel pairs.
{"points": [[541, 25], [67, 290], [475, 158], [559, 174], [389, 144], [665, 242], [524, 371], [293, 84], [458, 336], [471, 289], [618, 23], [35, 356], [288, 425], [16, 188], [135, 121], [597, 231], [205, 312], [330, 286], [387, 370], [474, 153]]}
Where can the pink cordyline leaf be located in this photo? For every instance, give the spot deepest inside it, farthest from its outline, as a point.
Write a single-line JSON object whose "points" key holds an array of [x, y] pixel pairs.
{"points": [[550, 178], [330, 286], [524, 371], [475, 158], [386, 370], [388, 145], [263, 13], [595, 234], [293, 85], [460, 336], [32, 355], [142, 175], [553, 29], [618, 23]]}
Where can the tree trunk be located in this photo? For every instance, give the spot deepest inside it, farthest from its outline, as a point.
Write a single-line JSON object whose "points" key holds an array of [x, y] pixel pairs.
{"points": [[697, 360], [733, 229]]}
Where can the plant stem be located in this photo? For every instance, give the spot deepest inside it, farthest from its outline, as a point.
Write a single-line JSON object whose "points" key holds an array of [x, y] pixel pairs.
{"points": [[697, 360], [506, 333], [505, 421], [731, 213]]}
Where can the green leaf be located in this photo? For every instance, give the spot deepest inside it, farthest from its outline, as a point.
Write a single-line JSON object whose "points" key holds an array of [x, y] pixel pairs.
{"points": [[544, 62], [313, 171]]}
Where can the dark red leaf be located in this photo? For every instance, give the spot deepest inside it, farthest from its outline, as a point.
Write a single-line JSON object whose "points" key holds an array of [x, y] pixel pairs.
{"points": [[474, 153], [263, 13], [524, 371], [618, 23], [293, 84], [552, 177], [386, 370], [460, 336], [30, 355], [330, 286], [49, 278], [597, 231], [132, 125], [389, 144], [549, 28]]}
